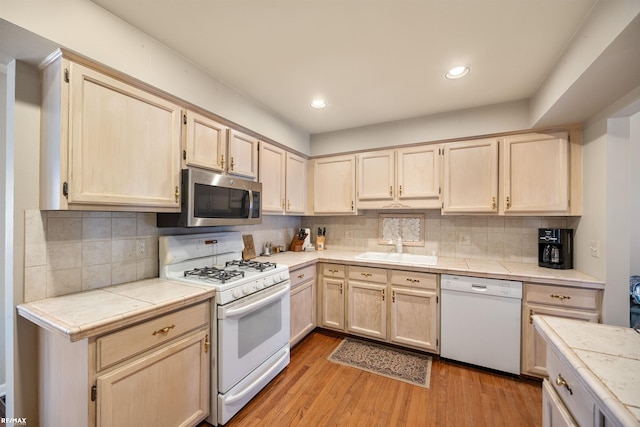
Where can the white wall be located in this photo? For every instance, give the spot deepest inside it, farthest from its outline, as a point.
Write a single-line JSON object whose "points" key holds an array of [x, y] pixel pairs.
{"points": [[509, 116], [634, 186], [84, 27]]}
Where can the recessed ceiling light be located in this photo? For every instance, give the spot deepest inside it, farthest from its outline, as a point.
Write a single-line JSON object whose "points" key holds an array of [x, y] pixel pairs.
{"points": [[457, 72], [318, 103]]}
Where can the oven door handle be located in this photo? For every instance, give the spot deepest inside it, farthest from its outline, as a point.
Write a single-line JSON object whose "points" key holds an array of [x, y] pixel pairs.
{"points": [[233, 312], [249, 389]]}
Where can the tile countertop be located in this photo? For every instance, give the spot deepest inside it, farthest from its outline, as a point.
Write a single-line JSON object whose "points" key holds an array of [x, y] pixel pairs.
{"points": [[90, 313], [525, 272], [606, 359]]}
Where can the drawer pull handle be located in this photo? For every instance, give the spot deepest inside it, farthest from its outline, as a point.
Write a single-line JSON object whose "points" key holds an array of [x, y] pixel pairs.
{"points": [[413, 280], [562, 383], [207, 343], [164, 330], [382, 294], [560, 297], [366, 274], [332, 270], [300, 276]]}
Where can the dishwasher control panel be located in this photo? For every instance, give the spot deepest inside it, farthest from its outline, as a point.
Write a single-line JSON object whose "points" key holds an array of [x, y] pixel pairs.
{"points": [[482, 285]]}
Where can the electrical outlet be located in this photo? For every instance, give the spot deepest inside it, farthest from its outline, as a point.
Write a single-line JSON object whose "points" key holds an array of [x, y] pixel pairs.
{"points": [[142, 247], [348, 234], [595, 248]]}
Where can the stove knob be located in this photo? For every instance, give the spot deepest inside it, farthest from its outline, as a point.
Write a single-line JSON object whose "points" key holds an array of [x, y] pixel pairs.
{"points": [[237, 293], [246, 290], [274, 279], [260, 284]]}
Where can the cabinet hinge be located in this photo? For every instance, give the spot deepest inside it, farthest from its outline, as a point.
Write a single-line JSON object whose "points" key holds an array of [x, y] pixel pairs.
{"points": [[66, 75], [184, 154], [439, 190], [65, 189], [437, 299], [184, 119], [437, 342], [94, 393]]}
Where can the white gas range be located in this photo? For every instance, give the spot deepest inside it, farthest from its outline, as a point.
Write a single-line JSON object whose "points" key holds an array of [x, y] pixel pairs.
{"points": [[250, 319]]}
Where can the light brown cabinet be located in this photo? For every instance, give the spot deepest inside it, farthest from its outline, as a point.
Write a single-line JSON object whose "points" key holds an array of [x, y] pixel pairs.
{"points": [[303, 303], [332, 296], [366, 302], [205, 142], [536, 174], [121, 378], [284, 180], [470, 177], [559, 301], [108, 142], [243, 155], [334, 185], [404, 178], [414, 310]]}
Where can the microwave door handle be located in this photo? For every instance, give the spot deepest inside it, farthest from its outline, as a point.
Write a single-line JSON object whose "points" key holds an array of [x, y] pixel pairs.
{"points": [[250, 204], [227, 313]]}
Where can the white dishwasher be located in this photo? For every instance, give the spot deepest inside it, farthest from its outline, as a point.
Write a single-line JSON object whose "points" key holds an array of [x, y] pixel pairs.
{"points": [[480, 321]]}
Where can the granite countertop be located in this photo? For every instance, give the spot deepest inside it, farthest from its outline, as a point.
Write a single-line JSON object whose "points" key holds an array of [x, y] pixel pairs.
{"points": [[525, 272], [606, 359], [90, 313]]}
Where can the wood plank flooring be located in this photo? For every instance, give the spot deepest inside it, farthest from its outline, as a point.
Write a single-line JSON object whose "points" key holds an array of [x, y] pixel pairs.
{"points": [[312, 391]]}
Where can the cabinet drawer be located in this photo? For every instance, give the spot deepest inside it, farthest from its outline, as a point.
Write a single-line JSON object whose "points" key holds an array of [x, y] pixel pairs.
{"points": [[367, 274], [333, 270], [136, 339], [562, 296], [575, 397], [414, 279], [302, 275]]}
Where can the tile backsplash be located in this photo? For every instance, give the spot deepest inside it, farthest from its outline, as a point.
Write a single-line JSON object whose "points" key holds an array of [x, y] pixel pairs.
{"points": [[482, 237], [73, 251]]}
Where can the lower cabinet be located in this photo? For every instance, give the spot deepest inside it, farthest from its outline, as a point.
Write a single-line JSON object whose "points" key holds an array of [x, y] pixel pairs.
{"points": [[396, 306], [559, 301], [156, 372], [303, 303], [554, 413]]}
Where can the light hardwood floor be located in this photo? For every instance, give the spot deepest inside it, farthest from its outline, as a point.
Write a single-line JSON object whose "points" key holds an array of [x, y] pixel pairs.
{"points": [[312, 391]]}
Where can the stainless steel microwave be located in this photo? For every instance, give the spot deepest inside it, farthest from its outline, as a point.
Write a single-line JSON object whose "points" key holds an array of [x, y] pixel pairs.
{"points": [[211, 199]]}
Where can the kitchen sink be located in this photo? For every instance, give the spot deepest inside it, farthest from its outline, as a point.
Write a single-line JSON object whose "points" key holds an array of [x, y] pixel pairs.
{"points": [[397, 258]]}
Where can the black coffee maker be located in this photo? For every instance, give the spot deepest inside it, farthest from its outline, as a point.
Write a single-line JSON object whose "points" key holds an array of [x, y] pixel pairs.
{"points": [[555, 248]]}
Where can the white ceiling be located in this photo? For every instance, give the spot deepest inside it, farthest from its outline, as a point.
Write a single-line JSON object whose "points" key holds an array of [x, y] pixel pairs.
{"points": [[372, 60]]}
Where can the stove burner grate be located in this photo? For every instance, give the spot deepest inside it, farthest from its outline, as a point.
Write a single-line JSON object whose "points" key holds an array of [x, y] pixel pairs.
{"points": [[255, 265], [214, 273]]}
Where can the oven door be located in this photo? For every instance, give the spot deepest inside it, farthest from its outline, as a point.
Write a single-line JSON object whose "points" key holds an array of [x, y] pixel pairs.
{"points": [[250, 331]]}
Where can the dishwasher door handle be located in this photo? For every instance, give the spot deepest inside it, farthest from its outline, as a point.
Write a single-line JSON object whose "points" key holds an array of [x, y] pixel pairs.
{"points": [[479, 288]]}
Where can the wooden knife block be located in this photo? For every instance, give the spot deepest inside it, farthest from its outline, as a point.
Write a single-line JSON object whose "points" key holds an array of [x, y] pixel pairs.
{"points": [[296, 244]]}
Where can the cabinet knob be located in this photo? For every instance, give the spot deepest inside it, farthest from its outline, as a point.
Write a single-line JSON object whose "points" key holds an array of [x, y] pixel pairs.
{"points": [[508, 204]]}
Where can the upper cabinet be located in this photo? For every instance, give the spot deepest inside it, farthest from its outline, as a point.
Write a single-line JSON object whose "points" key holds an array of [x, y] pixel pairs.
{"points": [[106, 142], [334, 185], [205, 142], [536, 174], [471, 177], [284, 180], [403, 178], [526, 174], [211, 145], [243, 155]]}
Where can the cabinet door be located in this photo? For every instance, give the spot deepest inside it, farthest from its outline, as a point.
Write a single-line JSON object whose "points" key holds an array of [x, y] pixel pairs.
{"points": [[169, 387], [534, 348], [554, 413], [333, 303], [205, 142], [303, 311], [414, 318], [376, 176], [296, 184], [243, 155], [419, 174], [471, 177], [536, 173], [367, 309], [124, 144], [334, 185], [272, 177]]}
